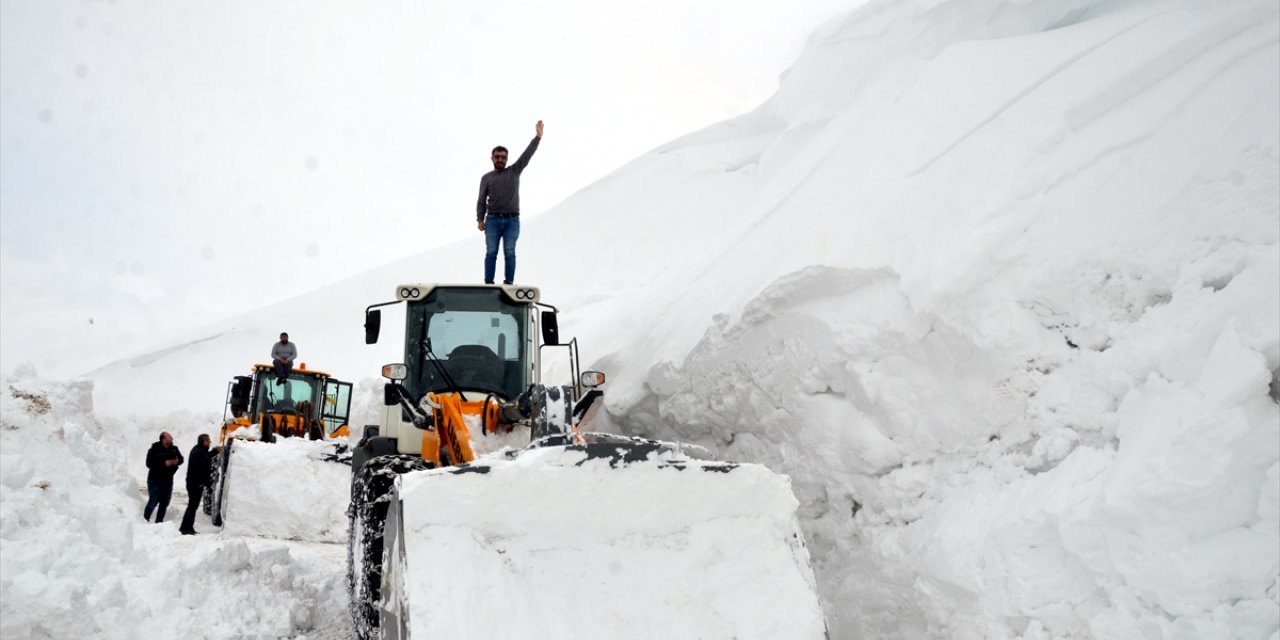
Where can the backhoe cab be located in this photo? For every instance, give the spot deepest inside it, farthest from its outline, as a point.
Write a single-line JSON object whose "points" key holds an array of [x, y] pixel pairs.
{"points": [[310, 404]]}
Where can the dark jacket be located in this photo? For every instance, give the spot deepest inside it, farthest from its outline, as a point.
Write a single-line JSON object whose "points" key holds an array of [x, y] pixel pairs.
{"points": [[500, 190], [155, 462], [198, 470]]}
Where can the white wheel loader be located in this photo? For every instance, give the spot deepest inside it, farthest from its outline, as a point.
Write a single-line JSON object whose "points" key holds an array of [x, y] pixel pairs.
{"points": [[574, 534]]}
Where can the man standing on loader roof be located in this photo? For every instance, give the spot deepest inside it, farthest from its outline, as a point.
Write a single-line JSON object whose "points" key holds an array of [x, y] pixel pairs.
{"points": [[498, 209], [282, 356]]}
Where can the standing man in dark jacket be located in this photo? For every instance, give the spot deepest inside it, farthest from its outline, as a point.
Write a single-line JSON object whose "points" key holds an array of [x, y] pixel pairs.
{"points": [[498, 209], [197, 480], [162, 459]]}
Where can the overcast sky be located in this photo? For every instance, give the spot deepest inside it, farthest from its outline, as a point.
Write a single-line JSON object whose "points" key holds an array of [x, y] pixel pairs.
{"points": [[164, 164]]}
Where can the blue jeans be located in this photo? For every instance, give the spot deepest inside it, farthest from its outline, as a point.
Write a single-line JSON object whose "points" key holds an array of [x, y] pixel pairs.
{"points": [[159, 494], [282, 369], [507, 230]]}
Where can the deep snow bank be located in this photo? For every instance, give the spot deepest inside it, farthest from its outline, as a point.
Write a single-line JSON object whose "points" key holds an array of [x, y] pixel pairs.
{"points": [[1046, 491], [77, 561], [1015, 327]]}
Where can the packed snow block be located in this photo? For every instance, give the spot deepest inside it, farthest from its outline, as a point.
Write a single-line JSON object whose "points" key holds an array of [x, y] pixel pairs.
{"points": [[554, 545], [286, 490]]}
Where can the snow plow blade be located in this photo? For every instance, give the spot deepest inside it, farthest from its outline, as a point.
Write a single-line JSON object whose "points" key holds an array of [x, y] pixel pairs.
{"points": [[262, 489], [599, 540]]}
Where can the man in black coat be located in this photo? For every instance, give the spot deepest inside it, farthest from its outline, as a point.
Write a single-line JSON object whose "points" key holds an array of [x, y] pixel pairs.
{"points": [[197, 479], [163, 460]]}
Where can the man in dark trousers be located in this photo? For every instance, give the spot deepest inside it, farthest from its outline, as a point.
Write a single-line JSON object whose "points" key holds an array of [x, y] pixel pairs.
{"points": [[163, 460], [282, 355], [197, 479], [498, 209]]}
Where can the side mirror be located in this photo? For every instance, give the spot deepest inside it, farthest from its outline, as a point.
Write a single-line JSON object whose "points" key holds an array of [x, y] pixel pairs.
{"points": [[390, 397], [372, 325], [395, 371], [370, 431], [241, 390], [550, 329], [591, 379]]}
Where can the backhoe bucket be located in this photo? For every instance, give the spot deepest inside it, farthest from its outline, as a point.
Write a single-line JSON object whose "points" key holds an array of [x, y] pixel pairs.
{"points": [[290, 489]]}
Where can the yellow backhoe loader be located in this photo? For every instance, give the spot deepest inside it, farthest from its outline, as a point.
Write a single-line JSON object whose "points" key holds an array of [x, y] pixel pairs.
{"points": [[309, 404]]}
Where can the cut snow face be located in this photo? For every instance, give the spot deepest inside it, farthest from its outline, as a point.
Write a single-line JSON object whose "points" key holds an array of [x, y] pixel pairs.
{"points": [[649, 549]]}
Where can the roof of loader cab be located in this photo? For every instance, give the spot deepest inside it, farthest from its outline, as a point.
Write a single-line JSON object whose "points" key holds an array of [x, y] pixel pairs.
{"points": [[516, 293]]}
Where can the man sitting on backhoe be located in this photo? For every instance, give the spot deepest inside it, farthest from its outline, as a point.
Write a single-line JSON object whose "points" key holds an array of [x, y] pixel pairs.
{"points": [[282, 356]]}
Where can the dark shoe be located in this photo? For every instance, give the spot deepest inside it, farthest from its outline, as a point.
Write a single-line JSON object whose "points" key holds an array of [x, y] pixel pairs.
{"points": [[506, 282], [188, 532]]}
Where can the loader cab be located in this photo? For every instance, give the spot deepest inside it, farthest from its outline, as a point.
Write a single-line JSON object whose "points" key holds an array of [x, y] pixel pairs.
{"points": [[477, 339]]}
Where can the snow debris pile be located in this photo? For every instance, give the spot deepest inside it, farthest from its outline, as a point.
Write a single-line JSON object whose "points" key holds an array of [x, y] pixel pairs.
{"points": [[642, 551], [77, 560], [1091, 492], [290, 489]]}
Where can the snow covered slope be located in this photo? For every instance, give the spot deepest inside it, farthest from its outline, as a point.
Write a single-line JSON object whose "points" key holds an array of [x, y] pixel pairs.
{"points": [[997, 283]]}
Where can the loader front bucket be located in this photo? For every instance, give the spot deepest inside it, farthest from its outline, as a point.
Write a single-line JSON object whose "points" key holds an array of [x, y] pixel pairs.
{"points": [[598, 540]]}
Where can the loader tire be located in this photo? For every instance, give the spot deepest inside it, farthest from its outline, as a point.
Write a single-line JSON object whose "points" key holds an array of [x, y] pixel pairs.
{"points": [[218, 489], [554, 412], [215, 478], [368, 449], [367, 518]]}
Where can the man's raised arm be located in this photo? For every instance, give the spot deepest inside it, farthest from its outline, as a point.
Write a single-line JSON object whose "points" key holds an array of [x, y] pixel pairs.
{"points": [[528, 152]]}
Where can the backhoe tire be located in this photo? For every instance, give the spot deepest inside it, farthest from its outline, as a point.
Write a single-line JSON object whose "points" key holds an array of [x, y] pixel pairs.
{"points": [[371, 493]]}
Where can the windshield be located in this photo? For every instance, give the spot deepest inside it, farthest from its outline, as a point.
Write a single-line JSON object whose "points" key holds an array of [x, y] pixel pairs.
{"points": [[295, 395], [477, 336]]}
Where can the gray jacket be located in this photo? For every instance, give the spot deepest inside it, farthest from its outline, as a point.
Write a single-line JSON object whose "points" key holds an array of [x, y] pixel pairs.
{"points": [[500, 190], [284, 351]]}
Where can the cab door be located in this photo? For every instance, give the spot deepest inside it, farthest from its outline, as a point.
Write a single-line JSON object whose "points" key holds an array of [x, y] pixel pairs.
{"points": [[337, 407]]}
